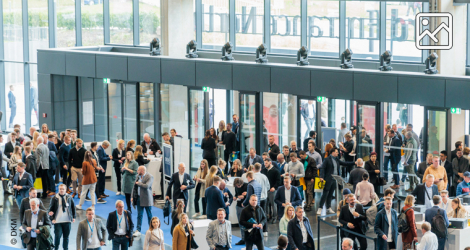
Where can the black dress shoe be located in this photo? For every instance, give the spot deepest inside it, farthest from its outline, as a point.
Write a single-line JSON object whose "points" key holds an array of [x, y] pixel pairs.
{"points": [[242, 242], [87, 198], [7, 193]]}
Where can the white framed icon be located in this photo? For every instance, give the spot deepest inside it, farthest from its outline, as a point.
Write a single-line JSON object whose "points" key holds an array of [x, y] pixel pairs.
{"points": [[423, 19]]}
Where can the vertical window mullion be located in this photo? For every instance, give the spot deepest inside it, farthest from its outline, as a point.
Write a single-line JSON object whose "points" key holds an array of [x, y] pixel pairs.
{"points": [[267, 24], [51, 10], [106, 21], [382, 26], [136, 30], [78, 23]]}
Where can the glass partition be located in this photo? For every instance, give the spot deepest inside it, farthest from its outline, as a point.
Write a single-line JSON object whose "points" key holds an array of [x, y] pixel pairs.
{"points": [[308, 119], [174, 109], [365, 134], [218, 107], [115, 113], [33, 95], [279, 119], [437, 126], [130, 112], [247, 123], [146, 98], [249, 28], [337, 120], [196, 125]]}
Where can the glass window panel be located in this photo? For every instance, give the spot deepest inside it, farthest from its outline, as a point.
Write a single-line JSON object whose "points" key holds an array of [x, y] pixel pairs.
{"points": [[285, 26], [249, 24], [215, 24], [247, 123], [92, 22], [14, 94], [33, 95], [121, 22], [219, 107], [38, 27], [146, 97], [149, 21], [308, 119], [436, 132], [65, 23], [338, 113], [197, 125], [366, 131], [280, 119], [401, 30], [323, 28], [362, 28], [115, 112], [174, 109], [130, 112], [12, 30]]}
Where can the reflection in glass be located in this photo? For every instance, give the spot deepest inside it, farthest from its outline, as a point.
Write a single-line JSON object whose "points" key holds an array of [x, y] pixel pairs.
{"points": [[196, 125], [12, 30], [146, 97], [92, 23], [279, 119], [174, 107], [149, 21], [14, 94], [365, 138], [38, 27], [285, 26], [33, 95], [247, 123], [215, 21], [218, 107], [115, 112], [308, 112], [401, 30], [362, 28], [121, 22], [323, 27], [249, 24], [436, 132], [65, 23], [338, 113], [130, 112]]}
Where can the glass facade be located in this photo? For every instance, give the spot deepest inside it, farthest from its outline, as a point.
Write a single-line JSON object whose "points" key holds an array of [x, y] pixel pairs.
{"points": [[13, 30], [121, 24], [323, 28], [249, 24], [285, 26], [92, 22], [66, 36], [362, 28], [149, 21], [215, 30], [38, 27], [14, 95], [279, 119]]}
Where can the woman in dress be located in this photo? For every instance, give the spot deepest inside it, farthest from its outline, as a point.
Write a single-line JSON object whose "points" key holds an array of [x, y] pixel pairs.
{"points": [[129, 170], [154, 236]]}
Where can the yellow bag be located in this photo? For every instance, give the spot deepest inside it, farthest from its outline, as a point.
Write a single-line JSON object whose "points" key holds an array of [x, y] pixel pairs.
{"points": [[38, 184], [302, 183], [319, 185]]}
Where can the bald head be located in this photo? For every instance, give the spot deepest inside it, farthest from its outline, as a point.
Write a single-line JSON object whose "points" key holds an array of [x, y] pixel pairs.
{"points": [[40, 140], [141, 170]]}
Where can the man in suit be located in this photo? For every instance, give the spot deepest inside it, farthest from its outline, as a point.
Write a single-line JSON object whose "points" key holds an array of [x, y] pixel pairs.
{"points": [[255, 212], [150, 146], [352, 217], [119, 225], [64, 163], [330, 166], [395, 156], [425, 192], [219, 232], [181, 182], [273, 148], [142, 193], [214, 198], [448, 166], [3, 174], [281, 163], [294, 149], [12, 105], [387, 219], [286, 195], [22, 182], [97, 239], [230, 142], [10, 146], [307, 111], [453, 153], [251, 159], [103, 159], [275, 181], [42, 162], [459, 166], [33, 220], [433, 211], [50, 145], [347, 148], [33, 193], [299, 231]]}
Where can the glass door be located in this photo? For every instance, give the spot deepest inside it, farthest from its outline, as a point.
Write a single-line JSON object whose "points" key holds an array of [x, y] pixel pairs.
{"points": [[436, 136], [247, 123], [130, 112], [122, 104], [308, 117], [197, 127], [365, 132], [115, 112]]}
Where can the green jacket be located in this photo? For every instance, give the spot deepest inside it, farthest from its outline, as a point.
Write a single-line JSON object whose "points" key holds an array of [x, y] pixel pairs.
{"points": [[128, 179]]}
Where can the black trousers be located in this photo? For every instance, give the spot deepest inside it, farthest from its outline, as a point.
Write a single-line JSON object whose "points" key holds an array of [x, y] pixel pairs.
{"points": [[221, 248], [47, 180], [31, 244], [101, 182], [362, 242], [249, 244], [263, 204], [211, 161], [327, 194], [66, 175], [117, 171], [128, 202], [196, 200]]}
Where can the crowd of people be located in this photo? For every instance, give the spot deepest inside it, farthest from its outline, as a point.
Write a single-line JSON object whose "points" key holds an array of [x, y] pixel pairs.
{"points": [[274, 187]]}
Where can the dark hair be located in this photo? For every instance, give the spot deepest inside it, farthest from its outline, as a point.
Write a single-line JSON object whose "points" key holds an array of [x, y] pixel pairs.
{"points": [[409, 125], [285, 146], [444, 153], [332, 151], [312, 133], [282, 242], [207, 134], [365, 176], [373, 153], [312, 142], [391, 131], [458, 144], [93, 144], [302, 152], [50, 136], [389, 191]]}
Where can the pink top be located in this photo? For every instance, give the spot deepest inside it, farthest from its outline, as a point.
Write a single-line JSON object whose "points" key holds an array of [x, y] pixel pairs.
{"points": [[365, 192]]}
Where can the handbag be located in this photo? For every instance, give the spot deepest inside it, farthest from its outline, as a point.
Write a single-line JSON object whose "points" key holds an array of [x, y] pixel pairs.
{"points": [[319, 185], [166, 212], [302, 183], [381, 181]]}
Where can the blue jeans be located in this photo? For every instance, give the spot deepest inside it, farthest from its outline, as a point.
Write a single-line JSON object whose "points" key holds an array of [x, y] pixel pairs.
{"points": [[62, 229], [441, 242], [396, 174], [386, 162], [98, 248], [140, 214], [242, 228], [309, 122], [19, 198], [12, 116], [122, 242]]}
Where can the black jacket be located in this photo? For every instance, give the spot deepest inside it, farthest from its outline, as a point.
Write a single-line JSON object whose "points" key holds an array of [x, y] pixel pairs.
{"points": [[154, 147], [449, 170], [76, 157], [305, 144], [247, 214], [422, 169], [311, 171], [112, 224], [31, 166], [345, 217], [54, 205], [141, 161], [420, 194], [356, 176], [274, 151], [370, 168], [116, 157], [208, 148], [240, 191], [274, 178], [9, 148], [294, 233], [327, 167], [395, 152], [230, 141]]}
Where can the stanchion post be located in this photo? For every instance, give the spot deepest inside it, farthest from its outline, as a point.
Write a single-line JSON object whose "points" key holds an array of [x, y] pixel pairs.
{"points": [[375, 244], [318, 232], [338, 241]]}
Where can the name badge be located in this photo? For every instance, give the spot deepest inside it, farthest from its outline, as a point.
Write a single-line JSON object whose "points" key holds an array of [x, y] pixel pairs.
{"points": [[89, 240], [119, 155], [120, 231], [67, 204], [40, 223], [187, 234]]}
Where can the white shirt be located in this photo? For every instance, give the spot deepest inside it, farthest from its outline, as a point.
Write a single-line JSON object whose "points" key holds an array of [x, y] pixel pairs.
{"points": [[304, 231], [95, 242], [62, 217], [310, 111], [121, 225], [181, 177], [287, 194], [389, 217], [352, 209], [447, 207], [428, 242], [34, 223], [265, 186]]}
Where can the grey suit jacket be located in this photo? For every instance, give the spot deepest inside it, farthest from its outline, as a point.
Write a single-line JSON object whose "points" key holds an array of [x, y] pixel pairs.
{"points": [[42, 217], [212, 235], [146, 195], [42, 156], [82, 233]]}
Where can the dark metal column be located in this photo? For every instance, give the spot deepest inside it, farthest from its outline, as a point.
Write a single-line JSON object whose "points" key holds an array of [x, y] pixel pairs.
{"points": [[379, 138], [156, 110], [318, 125], [259, 122]]}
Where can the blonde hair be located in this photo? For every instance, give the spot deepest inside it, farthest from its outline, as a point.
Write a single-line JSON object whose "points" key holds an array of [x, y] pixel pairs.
{"points": [[222, 162], [210, 177], [151, 223], [287, 210], [132, 158], [221, 126], [17, 152], [410, 200], [239, 163], [459, 207], [181, 220], [138, 151], [35, 139], [206, 168], [121, 142]]}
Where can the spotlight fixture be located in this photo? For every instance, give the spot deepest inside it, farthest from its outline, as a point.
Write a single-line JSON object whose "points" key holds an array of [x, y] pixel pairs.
{"points": [[261, 54], [155, 49], [386, 61], [227, 52], [191, 50], [346, 59], [431, 62], [302, 56]]}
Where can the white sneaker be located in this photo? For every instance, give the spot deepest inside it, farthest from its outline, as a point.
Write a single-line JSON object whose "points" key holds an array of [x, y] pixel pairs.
{"points": [[265, 234], [203, 217], [78, 207], [136, 233], [402, 183], [319, 211], [330, 211], [118, 193], [196, 215]]}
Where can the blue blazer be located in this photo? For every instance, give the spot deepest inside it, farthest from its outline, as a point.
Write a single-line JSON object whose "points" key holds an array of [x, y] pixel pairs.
{"points": [[51, 147], [257, 159], [280, 198], [294, 233], [395, 153], [11, 100], [26, 182], [431, 212], [175, 183], [228, 199], [102, 157], [215, 200], [381, 227]]}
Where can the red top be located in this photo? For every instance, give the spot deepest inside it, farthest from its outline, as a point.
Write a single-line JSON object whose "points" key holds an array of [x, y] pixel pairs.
{"points": [[410, 217]]}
